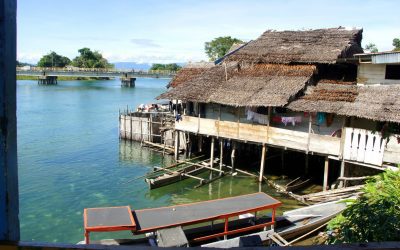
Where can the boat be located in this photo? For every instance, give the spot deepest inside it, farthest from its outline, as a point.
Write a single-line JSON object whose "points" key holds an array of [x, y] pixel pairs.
{"points": [[203, 223], [292, 223], [167, 176], [298, 184]]}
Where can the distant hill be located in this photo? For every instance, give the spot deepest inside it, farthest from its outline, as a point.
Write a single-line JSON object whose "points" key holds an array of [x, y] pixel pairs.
{"points": [[136, 66], [132, 65]]}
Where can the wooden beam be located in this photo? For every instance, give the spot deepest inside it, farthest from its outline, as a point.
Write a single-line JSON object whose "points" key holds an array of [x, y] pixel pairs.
{"points": [[9, 202], [326, 170], [262, 166]]}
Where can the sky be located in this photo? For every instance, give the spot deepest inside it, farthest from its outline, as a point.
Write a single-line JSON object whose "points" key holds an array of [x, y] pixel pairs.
{"points": [[166, 31]]}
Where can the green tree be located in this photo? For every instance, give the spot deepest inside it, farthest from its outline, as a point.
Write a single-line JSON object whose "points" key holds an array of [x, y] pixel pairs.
{"points": [[371, 47], [396, 44], [375, 216], [170, 67], [53, 60], [219, 46], [90, 59]]}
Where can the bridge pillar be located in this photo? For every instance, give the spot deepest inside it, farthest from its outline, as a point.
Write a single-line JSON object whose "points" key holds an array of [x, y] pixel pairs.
{"points": [[47, 80], [128, 81]]}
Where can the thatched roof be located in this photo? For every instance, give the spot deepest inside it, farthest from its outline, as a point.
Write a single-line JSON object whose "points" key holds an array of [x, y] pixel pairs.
{"points": [[381, 103], [306, 46], [251, 85], [189, 71]]}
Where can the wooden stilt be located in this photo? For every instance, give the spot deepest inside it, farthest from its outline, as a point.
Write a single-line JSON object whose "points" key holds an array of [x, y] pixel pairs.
{"points": [[189, 146], [131, 127], [176, 147], [262, 166], [342, 166], [221, 154], [306, 164], [119, 123], [326, 169], [212, 153], [165, 144], [233, 156], [200, 144]]}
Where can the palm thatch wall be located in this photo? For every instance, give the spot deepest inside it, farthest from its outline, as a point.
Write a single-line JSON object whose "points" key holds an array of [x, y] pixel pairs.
{"points": [[307, 46]]}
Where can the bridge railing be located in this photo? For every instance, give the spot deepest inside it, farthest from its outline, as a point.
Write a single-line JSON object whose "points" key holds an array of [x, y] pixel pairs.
{"points": [[95, 70]]}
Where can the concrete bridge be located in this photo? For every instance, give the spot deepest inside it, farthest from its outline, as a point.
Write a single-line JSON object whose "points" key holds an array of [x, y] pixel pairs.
{"points": [[128, 77]]}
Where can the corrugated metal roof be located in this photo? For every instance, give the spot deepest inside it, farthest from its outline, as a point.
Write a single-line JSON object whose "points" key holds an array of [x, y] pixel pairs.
{"points": [[386, 58]]}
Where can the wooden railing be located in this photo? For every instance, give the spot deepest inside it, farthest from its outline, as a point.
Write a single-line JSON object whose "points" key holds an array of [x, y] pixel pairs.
{"points": [[357, 145], [262, 134]]}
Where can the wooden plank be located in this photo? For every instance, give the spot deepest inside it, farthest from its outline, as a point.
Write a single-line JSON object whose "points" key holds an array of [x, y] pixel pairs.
{"points": [[347, 143], [361, 145], [354, 144]]}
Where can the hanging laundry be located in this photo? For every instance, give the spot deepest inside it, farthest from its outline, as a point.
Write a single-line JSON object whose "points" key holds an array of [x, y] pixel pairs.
{"points": [[320, 118], [329, 119], [277, 119], [291, 119]]}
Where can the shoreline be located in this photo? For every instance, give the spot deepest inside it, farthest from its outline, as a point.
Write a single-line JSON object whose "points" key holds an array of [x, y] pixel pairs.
{"points": [[66, 78]]}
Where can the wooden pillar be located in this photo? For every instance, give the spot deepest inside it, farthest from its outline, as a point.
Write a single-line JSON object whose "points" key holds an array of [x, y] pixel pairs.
{"points": [[176, 147], [326, 170], [9, 202], [306, 163], [221, 155], [119, 123], [342, 166], [200, 143], [212, 153], [233, 156], [262, 165]]}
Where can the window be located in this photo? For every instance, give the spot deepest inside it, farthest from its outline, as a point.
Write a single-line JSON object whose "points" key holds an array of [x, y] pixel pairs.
{"points": [[392, 72]]}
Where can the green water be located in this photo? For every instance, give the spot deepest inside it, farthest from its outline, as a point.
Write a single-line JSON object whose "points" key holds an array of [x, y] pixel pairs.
{"points": [[70, 158]]}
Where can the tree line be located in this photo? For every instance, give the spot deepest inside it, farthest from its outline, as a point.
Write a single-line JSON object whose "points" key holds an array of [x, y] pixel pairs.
{"points": [[371, 47], [86, 59]]}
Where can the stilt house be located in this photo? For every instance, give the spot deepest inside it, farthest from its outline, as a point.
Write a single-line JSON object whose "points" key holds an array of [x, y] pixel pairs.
{"points": [[298, 91]]}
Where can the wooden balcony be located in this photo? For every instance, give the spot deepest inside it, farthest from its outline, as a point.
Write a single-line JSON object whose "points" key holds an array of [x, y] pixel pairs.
{"points": [[278, 137], [356, 145]]}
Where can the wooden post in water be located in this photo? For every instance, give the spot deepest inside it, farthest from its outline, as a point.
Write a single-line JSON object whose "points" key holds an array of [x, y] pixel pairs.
{"points": [[233, 156], [212, 153], [119, 123], [342, 166], [141, 129], [212, 156], [326, 170], [221, 155], [200, 143], [176, 147], [131, 118], [262, 165]]}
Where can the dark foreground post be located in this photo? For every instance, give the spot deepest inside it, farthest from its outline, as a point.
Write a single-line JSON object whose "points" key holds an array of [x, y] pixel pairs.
{"points": [[9, 207]]}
